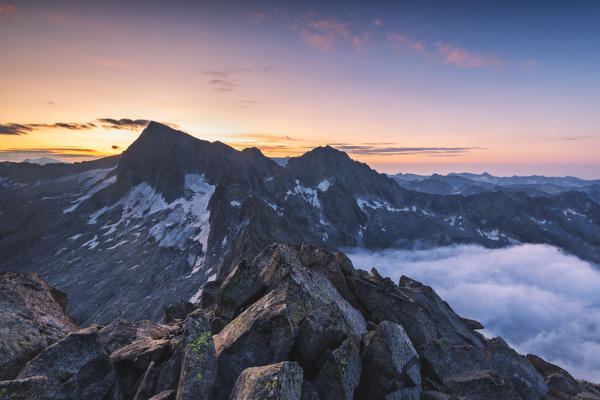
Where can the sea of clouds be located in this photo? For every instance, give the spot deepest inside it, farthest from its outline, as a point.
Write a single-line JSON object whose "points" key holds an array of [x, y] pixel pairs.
{"points": [[539, 299]]}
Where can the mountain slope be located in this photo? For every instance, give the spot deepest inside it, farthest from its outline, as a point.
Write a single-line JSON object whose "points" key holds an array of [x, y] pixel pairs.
{"points": [[126, 236]]}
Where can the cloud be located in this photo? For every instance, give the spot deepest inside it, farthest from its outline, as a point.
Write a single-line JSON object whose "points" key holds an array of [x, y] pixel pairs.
{"points": [[106, 123], [65, 154], [377, 22], [5, 8], [258, 17], [451, 54], [395, 151], [22, 129], [539, 299], [323, 33], [224, 79], [401, 43], [114, 147], [123, 123]]}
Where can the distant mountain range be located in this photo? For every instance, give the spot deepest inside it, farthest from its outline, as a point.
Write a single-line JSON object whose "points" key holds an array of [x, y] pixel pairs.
{"points": [[127, 235], [467, 184]]}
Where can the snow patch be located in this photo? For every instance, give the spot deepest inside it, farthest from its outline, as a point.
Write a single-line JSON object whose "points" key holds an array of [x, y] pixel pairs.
{"points": [[324, 185], [235, 203]]}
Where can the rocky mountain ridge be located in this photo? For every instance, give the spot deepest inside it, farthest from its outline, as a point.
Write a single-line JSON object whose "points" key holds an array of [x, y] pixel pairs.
{"points": [[296, 322], [129, 235]]}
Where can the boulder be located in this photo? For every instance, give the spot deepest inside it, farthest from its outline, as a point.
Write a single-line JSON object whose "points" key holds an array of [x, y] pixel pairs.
{"points": [[76, 366], [390, 363], [32, 388], [32, 317], [139, 353], [281, 381], [266, 331], [556, 378], [198, 364], [340, 374], [241, 287], [120, 333]]}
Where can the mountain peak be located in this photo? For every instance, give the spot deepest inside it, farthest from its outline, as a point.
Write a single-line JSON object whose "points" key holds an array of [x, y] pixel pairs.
{"points": [[154, 127]]}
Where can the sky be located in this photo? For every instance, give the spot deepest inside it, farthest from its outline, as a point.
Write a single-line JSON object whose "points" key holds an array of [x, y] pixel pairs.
{"points": [[505, 87], [552, 310]]}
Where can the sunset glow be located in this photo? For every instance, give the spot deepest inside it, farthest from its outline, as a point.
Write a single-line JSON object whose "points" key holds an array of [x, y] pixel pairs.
{"points": [[406, 87]]}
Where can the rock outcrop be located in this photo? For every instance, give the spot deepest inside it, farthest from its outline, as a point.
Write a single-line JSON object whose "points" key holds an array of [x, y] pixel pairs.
{"points": [[32, 317], [296, 322]]}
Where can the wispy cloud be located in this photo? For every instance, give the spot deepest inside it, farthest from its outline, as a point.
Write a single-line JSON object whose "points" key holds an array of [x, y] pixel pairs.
{"points": [[5, 8], [258, 17], [227, 79], [377, 22], [399, 151], [460, 57], [401, 43], [58, 153], [106, 123], [123, 123], [323, 33]]}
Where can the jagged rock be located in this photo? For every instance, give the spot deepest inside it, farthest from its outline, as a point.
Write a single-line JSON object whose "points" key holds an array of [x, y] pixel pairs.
{"points": [[120, 333], [340, 374], [556, 378], [31, 388], [483, 384], [76, 366], [241, 287], [472, 324], [497, 368], [198, 365], [32, 317], [165, 395], [178, 311], [389, 364], [434, 395], [168, 375], [141, 352], [323, 329], [281, 381], [309, 392], [266, 331]]}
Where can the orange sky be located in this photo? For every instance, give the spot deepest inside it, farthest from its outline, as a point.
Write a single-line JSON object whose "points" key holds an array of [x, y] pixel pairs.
{"points": [[288, 81]]}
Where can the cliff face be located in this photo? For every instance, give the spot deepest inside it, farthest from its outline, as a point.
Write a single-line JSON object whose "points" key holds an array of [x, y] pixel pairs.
{"points": [[296, 322]]}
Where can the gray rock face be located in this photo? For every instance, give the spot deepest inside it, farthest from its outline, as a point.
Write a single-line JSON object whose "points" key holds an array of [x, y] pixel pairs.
{"points": [[241, 287], [340, 374], [281, 381], [198, 365], [390, 363], [76, 366], [32, 317], [266, 331], [32, 388], [558, 379]]}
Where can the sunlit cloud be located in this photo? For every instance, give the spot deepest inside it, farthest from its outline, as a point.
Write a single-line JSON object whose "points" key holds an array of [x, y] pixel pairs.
{"points": [[106, 123], [123, 123], [401, 43], [323, 33], [58, 153], [377, 22], [451, 54]]}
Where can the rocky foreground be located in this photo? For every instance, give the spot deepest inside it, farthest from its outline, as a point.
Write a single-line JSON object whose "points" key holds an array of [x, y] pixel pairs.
{"points": [[297, 322]]}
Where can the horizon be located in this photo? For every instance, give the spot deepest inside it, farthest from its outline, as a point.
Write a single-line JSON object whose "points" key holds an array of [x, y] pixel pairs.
{"points": [[414, 88]]}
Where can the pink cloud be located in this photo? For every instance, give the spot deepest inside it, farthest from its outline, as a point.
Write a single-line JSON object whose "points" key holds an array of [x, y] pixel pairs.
{"points": [[377, 22], [463, 58], [402, 42], [258, 17], [324, 33], [5, 8]]}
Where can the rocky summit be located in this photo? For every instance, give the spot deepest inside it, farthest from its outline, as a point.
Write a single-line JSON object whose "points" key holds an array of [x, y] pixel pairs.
{"points": [[294, 322]]}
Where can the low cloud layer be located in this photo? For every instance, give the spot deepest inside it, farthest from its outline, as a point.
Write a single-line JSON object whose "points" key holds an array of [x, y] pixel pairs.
{"points": [[539, 299], [106, 123]]}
